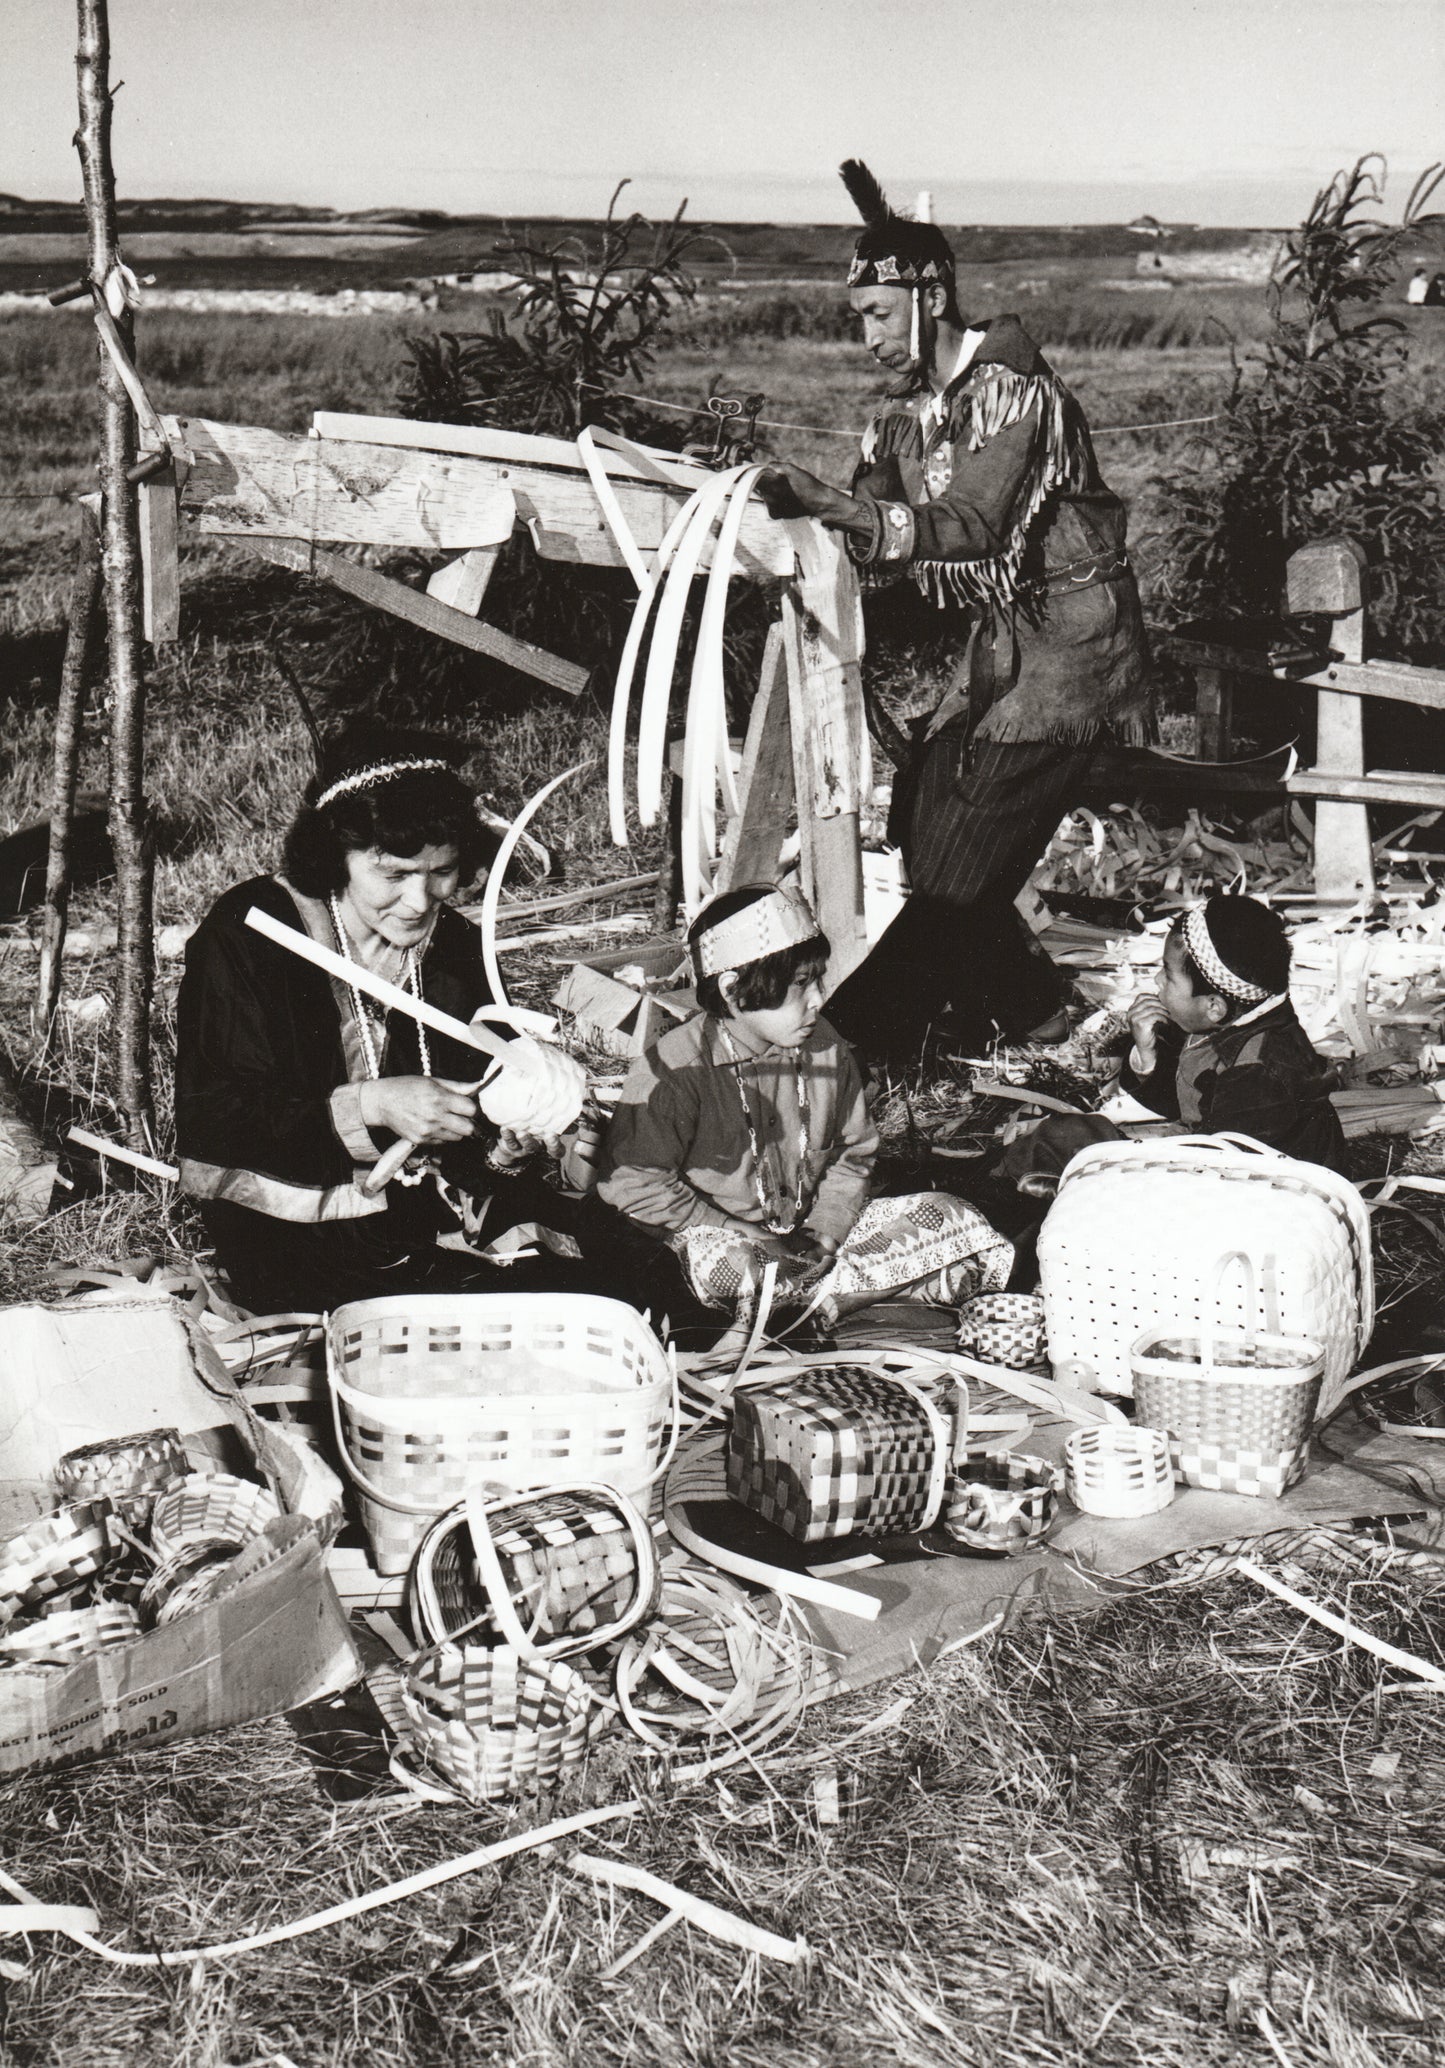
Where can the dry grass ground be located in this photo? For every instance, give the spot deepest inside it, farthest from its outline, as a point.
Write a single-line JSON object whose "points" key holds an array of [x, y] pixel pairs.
{"points": [[1187, 1830]]}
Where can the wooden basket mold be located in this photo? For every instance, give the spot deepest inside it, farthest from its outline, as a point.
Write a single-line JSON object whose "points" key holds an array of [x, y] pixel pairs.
{"points": [[436, 1394]]}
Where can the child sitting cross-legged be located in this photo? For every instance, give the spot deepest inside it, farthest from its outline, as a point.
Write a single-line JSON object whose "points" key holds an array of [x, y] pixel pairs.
{"points": [[744, 1136]]}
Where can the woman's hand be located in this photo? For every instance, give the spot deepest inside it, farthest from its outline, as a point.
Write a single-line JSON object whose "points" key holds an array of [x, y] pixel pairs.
{"points": [[789, 491], [1146, 1016], [515, 1145], [420, 1109]]}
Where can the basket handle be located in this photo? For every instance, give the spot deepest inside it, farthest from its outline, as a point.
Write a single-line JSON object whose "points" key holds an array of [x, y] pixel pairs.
{"points": [[1207, 1320], [942, 1448], [477, 1509]]}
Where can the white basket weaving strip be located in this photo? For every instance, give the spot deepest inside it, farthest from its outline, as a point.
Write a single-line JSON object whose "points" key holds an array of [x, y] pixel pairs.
{"points": [[1137, 1227], [436, 1394]]}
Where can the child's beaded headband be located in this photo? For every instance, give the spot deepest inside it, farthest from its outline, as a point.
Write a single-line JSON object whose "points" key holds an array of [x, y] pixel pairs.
{"points": [[1199, 947], [780, 920], [379, 772]]}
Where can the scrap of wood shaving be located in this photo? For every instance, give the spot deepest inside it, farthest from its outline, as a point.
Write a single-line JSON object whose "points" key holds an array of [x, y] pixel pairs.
{"points": [[708, 1917], [1351, 1632], [374, 1899]]}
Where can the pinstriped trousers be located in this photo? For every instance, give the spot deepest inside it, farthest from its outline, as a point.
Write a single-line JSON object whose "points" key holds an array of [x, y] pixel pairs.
{"points": [[982, 813]]}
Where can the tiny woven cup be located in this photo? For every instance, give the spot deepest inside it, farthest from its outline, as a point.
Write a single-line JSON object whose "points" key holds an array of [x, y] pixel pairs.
{"points": [[1003, 1328], [128, 1470], [1119, 1469], [999, 1506], [73, 1634], [55, 1553], [184, 1581], [494, 1723], [213, 1509]]}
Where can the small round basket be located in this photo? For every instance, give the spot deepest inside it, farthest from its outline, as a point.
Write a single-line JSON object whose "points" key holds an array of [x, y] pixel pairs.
{"points": [[495, 1724], [1003, 1328], [55, 1553], [71, 1635], [184, 1581], [1119, 1470], [128, 1470], [211, 1509], [999, 1506], [553, 1572]]}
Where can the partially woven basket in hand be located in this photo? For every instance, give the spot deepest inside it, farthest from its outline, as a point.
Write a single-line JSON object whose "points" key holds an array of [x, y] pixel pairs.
{"points": [[214, 1509], [1000, 1505], [72, 1634], [554, 1572], [55, 1553], [493, 1723], [128, 1470]]}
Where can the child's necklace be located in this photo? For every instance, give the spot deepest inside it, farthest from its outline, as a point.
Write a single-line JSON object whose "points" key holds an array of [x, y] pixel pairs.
{"points": [[772, 1218]]}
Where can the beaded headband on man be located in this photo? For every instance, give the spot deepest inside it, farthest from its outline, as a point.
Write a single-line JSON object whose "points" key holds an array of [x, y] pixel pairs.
{"points": [[1199, 947], [892, 250], [780, 920], [379, 772]]}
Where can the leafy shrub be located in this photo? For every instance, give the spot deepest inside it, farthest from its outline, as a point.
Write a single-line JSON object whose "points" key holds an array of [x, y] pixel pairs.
{"points": [[1322, 435]]}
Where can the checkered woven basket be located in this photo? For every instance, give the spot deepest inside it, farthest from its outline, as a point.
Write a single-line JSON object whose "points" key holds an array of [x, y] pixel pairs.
{"points": [[494, 1723], [1237, 1406], [211, 1509], [184, 1581], [838, 1452], [1001, 1505], [128, 1470], [551, 1573], [73, 1634], [1003, 1328], [55, 1553], [440, 1392]]}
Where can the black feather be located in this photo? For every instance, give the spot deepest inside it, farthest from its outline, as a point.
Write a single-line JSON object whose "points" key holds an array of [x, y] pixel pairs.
{"points": [[867, 196]]}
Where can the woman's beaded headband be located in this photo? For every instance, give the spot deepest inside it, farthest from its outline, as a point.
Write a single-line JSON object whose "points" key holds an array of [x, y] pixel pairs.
{"points": [[1199, 947], [380, 772]]}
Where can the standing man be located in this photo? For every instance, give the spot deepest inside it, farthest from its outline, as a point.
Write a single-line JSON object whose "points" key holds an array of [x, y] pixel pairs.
{"points": [[978, 480]]}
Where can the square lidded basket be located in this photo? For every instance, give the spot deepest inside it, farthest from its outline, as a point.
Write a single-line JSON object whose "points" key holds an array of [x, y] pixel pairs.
{"points": [[439, 1392], [839, 1452]]}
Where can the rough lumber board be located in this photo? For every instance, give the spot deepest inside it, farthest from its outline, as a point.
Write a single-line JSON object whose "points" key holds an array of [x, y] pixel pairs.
{"points": [[463, 583], [247, 480], [1344, 858], [1397, 681], [1124, 771], [755, 837], [557, 500], [1380, 786], [418, 609], [160, 557]]}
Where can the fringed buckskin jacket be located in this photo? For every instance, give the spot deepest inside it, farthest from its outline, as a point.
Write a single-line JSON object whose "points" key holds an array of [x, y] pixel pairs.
{"points": [[990, 497]]}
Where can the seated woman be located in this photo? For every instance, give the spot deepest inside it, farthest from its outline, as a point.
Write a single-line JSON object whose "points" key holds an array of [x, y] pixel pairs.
{"points": [[744, 1135], [291, 1084]]}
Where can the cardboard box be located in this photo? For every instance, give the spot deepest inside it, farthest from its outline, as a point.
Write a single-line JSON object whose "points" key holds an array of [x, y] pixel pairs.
{"points": [[275, 1638], [619, 1016]]}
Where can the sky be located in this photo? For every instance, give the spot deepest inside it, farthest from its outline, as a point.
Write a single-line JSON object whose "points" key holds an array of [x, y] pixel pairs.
{"points": [[1217, 111]]}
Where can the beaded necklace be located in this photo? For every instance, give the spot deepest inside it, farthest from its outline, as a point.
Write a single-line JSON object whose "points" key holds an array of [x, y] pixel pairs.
{"points": [[772, 1219], [371, 1019]]}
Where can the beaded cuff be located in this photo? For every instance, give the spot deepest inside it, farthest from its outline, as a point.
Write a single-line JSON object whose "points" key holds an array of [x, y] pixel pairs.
{"points": [[891, 537]]}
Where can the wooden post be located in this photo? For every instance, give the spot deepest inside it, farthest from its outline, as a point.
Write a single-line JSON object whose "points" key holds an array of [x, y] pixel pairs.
{"points": [[1328, 577], [765, 780], [80, 630], [823, 645], [121, 565], [1213, 713]]}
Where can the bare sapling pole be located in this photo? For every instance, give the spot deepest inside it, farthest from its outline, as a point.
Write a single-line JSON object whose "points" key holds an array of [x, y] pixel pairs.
{"points": [[81, 626], [121, 567]]}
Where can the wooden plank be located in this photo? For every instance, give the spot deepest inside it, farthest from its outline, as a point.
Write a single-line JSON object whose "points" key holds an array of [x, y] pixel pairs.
{"points": [[160, 557], [1116, 772], [246, 480], [1396, 681], [823, 645], [1213, 713], [370, 587], [463, 583], [1379, 786], [556, 499], [765, 781], [1344, 860]]}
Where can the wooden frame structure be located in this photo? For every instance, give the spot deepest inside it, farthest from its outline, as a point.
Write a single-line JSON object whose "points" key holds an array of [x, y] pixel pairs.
{"points": [[392, 484]]}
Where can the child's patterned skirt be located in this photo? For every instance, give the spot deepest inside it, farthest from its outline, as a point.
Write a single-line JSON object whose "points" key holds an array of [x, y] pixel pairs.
{"points": [[929, 1244]]}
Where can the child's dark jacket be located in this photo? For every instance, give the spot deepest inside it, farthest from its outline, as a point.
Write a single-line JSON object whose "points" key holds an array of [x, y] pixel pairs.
{"points": [[1259, 1077]]}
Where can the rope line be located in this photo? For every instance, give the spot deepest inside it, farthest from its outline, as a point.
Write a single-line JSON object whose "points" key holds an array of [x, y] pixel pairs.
{"points": [[828, 431]]}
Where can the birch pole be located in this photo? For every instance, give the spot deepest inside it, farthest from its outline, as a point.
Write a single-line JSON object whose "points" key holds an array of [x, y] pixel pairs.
{"points": [[80, 643], [121, 571]]}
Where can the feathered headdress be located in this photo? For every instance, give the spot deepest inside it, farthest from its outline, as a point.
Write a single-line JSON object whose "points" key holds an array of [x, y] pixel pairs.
{"points": [[892, 251]]}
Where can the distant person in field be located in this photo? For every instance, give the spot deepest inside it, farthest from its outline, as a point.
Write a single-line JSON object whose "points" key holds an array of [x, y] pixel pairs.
{"points": [[978, 481], [290, 1084]]}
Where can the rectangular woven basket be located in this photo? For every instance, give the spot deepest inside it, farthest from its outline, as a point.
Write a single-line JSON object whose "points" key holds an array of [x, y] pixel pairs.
{"points": [[444, 1391]]}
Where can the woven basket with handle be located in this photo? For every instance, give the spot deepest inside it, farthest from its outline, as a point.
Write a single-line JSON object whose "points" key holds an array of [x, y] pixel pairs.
{"points": [[1237, 1404], [550, 1573]]}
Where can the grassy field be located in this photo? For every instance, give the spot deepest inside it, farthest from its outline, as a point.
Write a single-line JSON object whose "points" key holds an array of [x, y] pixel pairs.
{"points": [[1186, 1831]]}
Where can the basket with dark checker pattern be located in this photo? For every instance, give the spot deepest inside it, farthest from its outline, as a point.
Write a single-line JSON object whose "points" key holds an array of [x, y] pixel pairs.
{"points": [[53, 1555], [838, 1452]]}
